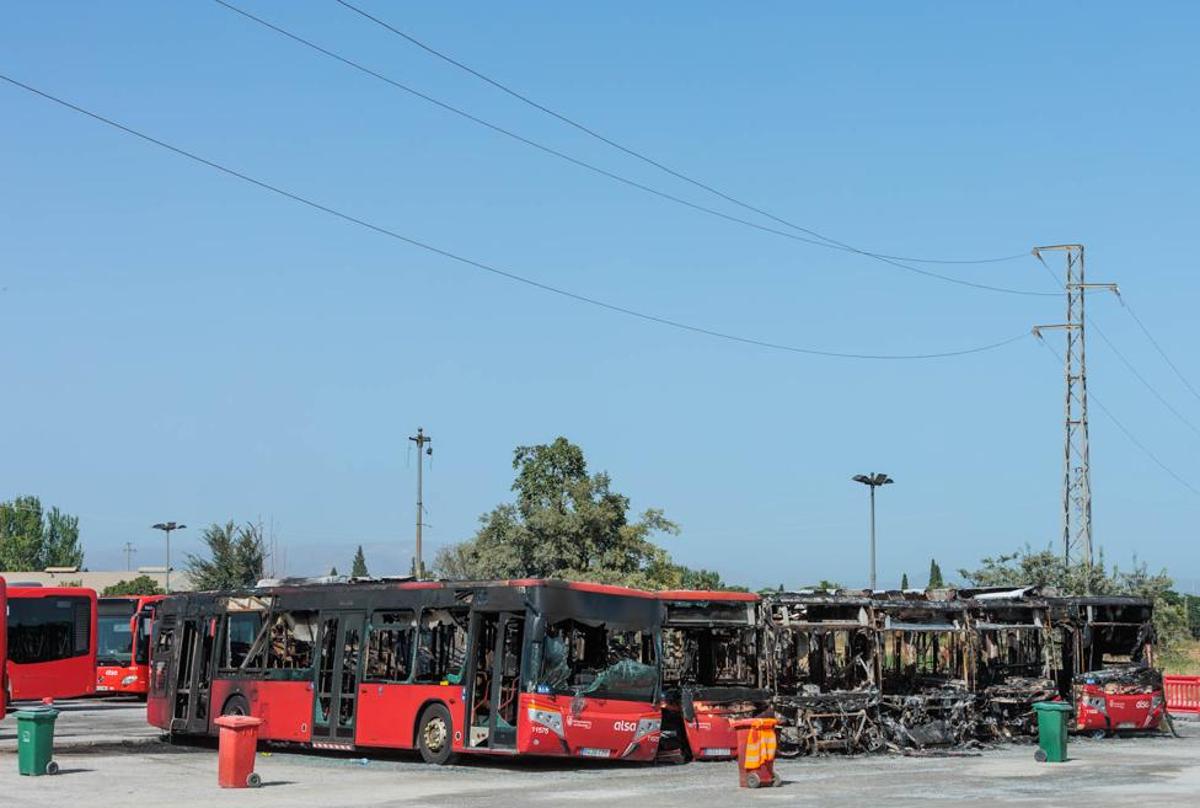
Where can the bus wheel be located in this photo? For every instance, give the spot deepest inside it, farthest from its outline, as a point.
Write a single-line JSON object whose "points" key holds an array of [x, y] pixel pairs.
{"points": [[236, 705], [434, 732]]}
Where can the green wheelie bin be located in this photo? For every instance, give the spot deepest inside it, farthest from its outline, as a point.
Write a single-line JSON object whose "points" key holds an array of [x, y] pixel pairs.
{"points": [[1052, 719], [35, 741]]}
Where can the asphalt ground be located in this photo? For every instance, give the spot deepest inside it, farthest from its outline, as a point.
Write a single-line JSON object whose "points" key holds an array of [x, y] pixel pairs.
{"points": [[107, 755]]}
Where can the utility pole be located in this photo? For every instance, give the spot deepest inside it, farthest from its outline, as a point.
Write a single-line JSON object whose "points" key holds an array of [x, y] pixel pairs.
{"points": [[420, 439], [873, 481], [129, 551], [167, 527], [1077, 475]]}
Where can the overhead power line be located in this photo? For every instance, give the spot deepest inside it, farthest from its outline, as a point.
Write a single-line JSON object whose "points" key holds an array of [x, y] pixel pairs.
{"points": [[1129, 434], [628, 150], [818, 240], [489, 268], [1159, 348]]}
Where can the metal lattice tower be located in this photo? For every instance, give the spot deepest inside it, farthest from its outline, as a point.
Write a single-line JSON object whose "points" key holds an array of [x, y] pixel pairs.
{"points": [[1077, 482]]}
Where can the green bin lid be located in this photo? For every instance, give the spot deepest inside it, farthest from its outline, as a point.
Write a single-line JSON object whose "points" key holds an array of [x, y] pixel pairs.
{"points": [[37, 714], [1053, 706]]}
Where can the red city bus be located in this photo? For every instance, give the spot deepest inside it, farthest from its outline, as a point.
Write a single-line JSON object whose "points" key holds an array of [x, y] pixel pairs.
{"points": [[123, 643], [524, 667], [51, 642], [3, 649], [711, 671]]}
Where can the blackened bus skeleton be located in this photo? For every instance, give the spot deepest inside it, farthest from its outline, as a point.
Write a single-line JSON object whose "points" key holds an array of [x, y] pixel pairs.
{"points": [[822, 666], [711, 671], [517, 667], [1017, 659]]}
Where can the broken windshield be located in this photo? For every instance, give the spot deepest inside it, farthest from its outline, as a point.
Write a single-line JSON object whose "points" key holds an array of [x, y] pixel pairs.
{"points": [[598, 661]]}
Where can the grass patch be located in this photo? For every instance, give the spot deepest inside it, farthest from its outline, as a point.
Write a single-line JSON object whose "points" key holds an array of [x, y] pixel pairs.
{"points": [[1184, 660]]}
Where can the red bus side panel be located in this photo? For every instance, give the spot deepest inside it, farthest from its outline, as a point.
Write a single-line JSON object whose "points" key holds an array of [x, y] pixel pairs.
{"points": [[286, 708], [388, 713]]}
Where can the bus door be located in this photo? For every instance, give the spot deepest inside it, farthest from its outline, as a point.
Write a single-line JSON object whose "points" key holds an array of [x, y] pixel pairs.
{"points": [[337, 673], [193, 675], [496, 684]]}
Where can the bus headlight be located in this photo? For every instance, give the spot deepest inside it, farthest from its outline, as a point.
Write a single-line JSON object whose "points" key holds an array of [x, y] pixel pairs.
{"points": [[550, 719], [129, 680], [647, 726]]}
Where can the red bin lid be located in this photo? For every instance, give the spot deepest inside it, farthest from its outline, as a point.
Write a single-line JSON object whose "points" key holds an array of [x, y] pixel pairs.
{"points": [[237, 721]]}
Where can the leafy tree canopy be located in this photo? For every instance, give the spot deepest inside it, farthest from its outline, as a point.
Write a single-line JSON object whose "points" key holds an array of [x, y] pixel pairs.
{"points": [[567, 523], [904, 581], [32, 539], [235, 557], [141, 585]]}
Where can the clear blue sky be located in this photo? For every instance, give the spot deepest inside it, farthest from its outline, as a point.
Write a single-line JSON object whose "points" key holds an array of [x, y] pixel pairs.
{"points": [[178, 345]]}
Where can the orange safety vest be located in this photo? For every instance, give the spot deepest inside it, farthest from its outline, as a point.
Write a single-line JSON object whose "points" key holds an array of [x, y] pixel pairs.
{"points": [[760, 743]]}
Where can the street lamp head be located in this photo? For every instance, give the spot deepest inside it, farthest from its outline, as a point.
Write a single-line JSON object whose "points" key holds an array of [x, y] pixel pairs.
{"points": [[168, 526], [861, 478]]}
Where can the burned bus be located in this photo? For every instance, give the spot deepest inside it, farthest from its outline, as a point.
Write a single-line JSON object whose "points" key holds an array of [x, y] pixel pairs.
{"points": [[822, 667], [710, 670], [1108, 644], [926, 669], [1015, 663], [525, 667]]}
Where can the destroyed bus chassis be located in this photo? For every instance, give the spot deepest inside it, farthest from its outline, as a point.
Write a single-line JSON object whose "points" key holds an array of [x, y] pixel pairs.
{"points": [[813, 724]]}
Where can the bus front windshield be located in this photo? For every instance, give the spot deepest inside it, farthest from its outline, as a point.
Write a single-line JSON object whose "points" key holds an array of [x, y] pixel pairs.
{"points": [[581, 659], [115, 634]]}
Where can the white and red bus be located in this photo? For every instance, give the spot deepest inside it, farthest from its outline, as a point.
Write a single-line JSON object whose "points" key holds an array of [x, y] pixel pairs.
{"points": [[522, 667], [51, 642], [123, 643], [711, 671]]}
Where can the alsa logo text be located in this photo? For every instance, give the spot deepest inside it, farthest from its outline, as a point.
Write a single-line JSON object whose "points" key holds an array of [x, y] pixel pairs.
{"points": [[625, 726]]}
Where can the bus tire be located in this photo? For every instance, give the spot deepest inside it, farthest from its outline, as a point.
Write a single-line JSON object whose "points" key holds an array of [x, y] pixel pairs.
{"points": [[236, 705], [435, 735]]}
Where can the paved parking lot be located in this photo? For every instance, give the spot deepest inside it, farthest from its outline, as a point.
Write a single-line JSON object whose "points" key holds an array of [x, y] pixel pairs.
{"points": [[107, 754]]}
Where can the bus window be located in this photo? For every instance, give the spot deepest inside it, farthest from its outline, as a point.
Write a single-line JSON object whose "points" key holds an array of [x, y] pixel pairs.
{"points": [[141, 647], [48, 629], [114, 640], [596, 661], [442, 645], [293, 638], [390, 648], [241, 630]]}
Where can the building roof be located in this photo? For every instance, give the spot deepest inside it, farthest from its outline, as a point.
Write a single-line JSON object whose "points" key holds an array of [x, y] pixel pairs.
{"points": [[96, 579]]}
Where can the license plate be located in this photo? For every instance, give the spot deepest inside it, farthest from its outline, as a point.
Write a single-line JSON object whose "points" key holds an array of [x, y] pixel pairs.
{"points": [[717, 751], [599, 753], [103, 687]]}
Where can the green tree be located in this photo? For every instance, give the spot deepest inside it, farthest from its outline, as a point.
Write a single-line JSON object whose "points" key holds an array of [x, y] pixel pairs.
{"points": [[61, 544], [904, 581], [565, 523], [333, 572], [358, 568], [935, 575], [31, 539], [141, 585], [235, 557], [22, 536]]}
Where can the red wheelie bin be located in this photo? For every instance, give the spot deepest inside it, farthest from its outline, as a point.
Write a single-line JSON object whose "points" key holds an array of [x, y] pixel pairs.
{"points": [[237, 745], [756, 752]]}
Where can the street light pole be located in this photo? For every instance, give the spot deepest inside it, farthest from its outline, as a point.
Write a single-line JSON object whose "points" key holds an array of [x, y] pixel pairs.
{"points": [[166, 528], [873, 481], [420, 439]]}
